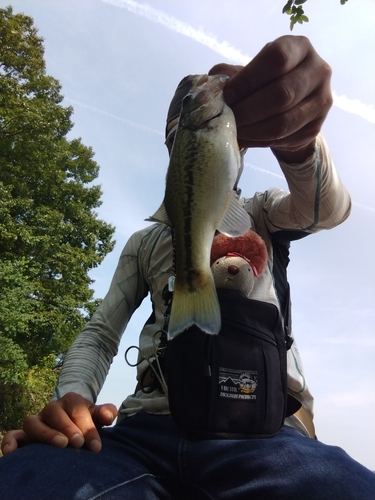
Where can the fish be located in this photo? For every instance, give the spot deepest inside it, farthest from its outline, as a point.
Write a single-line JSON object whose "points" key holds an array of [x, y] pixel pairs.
{"points": [[199, 200]]}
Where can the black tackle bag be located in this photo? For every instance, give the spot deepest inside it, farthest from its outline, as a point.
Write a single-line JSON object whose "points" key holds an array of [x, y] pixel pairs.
{"points": [[234, 384]]}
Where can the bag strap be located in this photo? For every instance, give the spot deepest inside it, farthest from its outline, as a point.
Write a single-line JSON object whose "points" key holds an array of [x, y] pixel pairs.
{"points": [[288, 322]]}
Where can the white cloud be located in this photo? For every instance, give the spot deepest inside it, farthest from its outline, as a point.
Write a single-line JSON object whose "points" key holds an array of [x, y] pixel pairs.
{"points": [[360, 342], [356, 397], [354, 106], [263, 170], [160, 133], [365, 111], [364, 207], [115, 117], [174, 24]]}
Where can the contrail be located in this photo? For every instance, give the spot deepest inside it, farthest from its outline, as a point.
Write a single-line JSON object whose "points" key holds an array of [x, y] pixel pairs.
{"points": [[174, 24], [364, 207], [160, 133], [263, 170], [115, 117], [152, 130], [354, 106]]}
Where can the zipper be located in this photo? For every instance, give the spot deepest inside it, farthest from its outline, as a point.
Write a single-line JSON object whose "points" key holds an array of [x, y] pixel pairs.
{"points": [[258, 334]]}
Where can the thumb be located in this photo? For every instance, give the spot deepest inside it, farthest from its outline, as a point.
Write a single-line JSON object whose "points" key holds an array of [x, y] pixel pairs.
{"points": [[104, 414], [225, 69]]}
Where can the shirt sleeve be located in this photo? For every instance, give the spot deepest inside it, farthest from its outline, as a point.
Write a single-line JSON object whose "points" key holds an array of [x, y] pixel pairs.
{"points": [[317, 199], [88, 360]]}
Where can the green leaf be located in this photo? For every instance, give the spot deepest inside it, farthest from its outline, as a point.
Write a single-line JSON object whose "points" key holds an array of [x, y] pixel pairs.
{"points": [[304, 19], [287, 9], [293, 9]]}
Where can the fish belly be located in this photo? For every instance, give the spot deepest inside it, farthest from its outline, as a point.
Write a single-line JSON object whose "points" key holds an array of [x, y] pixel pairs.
{"points": [[199, 187]]}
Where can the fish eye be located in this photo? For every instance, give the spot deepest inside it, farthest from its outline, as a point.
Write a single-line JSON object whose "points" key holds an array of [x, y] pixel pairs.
{"points": [[188, 98]]}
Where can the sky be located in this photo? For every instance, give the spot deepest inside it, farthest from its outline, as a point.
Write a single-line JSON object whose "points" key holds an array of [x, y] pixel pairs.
{"points": [[119, 61]]}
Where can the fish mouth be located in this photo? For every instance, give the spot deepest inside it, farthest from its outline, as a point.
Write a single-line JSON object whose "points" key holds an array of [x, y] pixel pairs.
{"points": [[216, 82], [206, 122], [200, 80]]}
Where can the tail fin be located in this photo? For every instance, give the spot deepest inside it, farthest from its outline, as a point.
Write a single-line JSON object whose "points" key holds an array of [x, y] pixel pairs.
{"points": [[200, 307]]}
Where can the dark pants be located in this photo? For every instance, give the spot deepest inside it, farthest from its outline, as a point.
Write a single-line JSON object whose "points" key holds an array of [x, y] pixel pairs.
{"points": [[148, 457]]}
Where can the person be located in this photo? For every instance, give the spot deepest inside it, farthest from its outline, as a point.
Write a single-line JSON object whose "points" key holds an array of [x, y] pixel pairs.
{"points": [[280, 101]]}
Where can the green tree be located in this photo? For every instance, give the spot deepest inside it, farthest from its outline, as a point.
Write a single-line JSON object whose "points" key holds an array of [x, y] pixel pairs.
{"points": [[295, 10], [50, 234]]}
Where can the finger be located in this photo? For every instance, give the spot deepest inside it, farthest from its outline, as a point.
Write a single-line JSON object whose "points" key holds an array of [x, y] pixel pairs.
{"points": [[38, 431], [13, 440], [75, 422], [275, 60], [104, 414], [305, 81], [295, 142], [225, 69], [308, 116], [54, 426]]}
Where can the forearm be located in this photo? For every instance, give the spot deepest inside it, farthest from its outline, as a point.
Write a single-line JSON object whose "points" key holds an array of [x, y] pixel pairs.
{"points": [[87, 363], [293, 157], [317, 200]]}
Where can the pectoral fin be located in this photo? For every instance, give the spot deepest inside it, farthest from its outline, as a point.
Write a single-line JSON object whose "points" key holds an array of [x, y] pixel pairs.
{"points": [[236, 220], [160, 216]]}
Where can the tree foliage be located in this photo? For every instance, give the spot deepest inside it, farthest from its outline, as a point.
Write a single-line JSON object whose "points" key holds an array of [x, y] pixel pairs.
{"points": [[50, 234], [295, 10]]}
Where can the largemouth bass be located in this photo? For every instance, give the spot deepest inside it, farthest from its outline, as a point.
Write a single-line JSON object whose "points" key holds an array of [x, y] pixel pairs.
{"points": [[199, 199]]}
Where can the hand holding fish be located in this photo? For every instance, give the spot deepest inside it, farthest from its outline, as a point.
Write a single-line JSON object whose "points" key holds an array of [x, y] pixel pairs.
{"points": [[281, 98]]}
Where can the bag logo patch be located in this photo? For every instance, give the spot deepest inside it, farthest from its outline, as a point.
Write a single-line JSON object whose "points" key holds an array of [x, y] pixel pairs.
{"points": [[238, 384]]}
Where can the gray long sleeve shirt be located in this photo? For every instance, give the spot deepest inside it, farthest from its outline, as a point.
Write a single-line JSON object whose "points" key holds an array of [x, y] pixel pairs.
{"points": [[316, 200]]}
